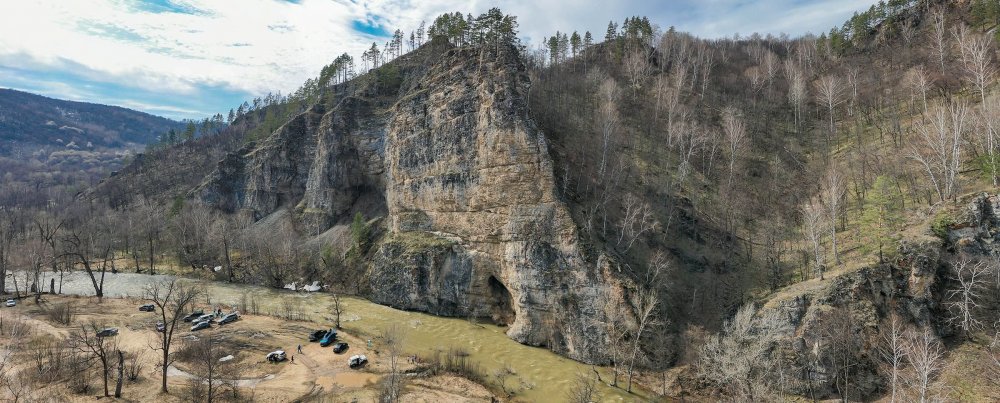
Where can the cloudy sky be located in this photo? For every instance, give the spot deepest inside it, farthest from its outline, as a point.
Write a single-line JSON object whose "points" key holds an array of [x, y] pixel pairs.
{"points": [[194, 58]]}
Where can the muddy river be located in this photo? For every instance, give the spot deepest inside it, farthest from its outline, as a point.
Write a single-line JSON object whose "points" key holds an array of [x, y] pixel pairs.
{"points": [[547, 375]]}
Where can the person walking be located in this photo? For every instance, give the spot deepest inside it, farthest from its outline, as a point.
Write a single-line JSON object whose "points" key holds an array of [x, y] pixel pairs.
{"points": [[300, 349]]}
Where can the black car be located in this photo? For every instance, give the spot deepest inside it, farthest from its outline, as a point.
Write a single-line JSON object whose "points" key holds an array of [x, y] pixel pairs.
{"points": [[108, 332], [229, 318], [340, 347], [201, 325], [194, 315], [317, 335], [147, 308]]}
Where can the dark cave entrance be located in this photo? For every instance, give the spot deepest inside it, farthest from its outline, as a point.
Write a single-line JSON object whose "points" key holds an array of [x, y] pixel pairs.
{"points": [[501, 306]]}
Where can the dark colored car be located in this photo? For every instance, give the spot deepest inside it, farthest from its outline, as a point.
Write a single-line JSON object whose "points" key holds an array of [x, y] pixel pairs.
{"points": [[160, 327], [194, 315], [201, 325], [229, 318], [339, 348], [108, 332], [147, 308], [318, 335], [327, 340]]}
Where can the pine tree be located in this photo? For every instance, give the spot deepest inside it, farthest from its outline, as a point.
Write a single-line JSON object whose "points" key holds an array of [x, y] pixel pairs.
{"points": [[574, 43], [612, 32], [588, 40], [882, 212]]}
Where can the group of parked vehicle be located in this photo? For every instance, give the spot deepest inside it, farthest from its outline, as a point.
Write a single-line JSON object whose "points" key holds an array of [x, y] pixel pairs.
{"points": [[199, 319], [329, 337]]}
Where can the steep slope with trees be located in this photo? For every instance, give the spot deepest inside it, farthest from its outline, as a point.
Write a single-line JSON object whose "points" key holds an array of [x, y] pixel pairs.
{"points": [[743, 202]]}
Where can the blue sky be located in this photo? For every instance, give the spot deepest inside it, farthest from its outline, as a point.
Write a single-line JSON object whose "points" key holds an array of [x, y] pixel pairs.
{"points": [[194, 58]]}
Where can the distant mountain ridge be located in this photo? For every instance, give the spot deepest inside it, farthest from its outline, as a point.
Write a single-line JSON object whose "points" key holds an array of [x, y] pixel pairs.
{"points": [[27, 118]]}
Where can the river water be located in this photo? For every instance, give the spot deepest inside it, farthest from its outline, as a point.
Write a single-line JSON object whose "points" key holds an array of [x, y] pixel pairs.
{"points": [[549, 375]]}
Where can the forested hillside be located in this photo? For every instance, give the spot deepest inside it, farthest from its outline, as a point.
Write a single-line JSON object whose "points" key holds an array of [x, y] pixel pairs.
{"points": [[703, 215]]}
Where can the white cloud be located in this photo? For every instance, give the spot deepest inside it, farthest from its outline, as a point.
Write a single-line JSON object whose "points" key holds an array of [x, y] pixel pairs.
{"points": [[257, 46]]}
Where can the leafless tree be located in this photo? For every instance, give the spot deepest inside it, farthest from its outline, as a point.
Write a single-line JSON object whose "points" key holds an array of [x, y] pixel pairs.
{"points": [[828, 93], [615, 328], [939, 148], [736, 137], [971, 279], [337, 308], [797, 94], [737, 358], [608, 118], [646, 309], [833, 191], [584, 390], [393, 338], [893, 352], [813, 215], [207, 367], [103, 349], [637, 68], [926, 358], [637, 220], [172, 299], [939, 38], [917, 79], [977, 58]]}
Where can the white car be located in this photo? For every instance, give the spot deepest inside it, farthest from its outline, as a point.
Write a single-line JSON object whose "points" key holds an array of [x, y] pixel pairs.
{"points": [[276, 356], [357, 361], [11, 302]]}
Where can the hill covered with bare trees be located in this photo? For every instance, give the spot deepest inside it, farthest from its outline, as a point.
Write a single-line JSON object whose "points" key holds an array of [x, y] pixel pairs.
{"points": [[746, 218]]}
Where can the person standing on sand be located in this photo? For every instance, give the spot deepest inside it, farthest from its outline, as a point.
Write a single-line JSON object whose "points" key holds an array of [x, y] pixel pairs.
{"points": [[300, 349]]}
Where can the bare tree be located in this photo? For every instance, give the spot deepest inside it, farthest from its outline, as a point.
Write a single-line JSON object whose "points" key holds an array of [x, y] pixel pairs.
{"points": [[209, 370], [977, 58], [737, 358], [393, 338], [926, 358], [172, 300], [971, 279], [103, 349], [918, 81], [647, 304], [337, 308], [797, 94], [893, 352], [637, 220], [637, 68], [813, 222], [607, 116], [615, 328], [583, 390], [833, 192], [939, 148], [736, 137], [828, 93], [939, 38]]}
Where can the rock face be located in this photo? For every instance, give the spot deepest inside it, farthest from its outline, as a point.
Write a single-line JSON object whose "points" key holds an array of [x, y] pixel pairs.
{"points": [[474, 226], [910, 285]]}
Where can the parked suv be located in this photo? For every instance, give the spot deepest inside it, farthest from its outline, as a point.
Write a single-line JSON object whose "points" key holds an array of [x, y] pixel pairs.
{"points": [[194, 315], [276, 356]]}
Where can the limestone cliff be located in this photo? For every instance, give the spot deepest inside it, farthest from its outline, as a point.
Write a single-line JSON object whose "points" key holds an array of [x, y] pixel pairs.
{"points": [[473, 227]]}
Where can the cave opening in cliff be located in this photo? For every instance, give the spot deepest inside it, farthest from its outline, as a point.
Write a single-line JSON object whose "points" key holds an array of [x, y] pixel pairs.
{"points": [[501, 308]]}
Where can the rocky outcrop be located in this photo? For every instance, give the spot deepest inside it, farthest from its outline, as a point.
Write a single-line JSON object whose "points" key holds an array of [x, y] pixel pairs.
{"points": [[909, 285], [474, 226]]}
